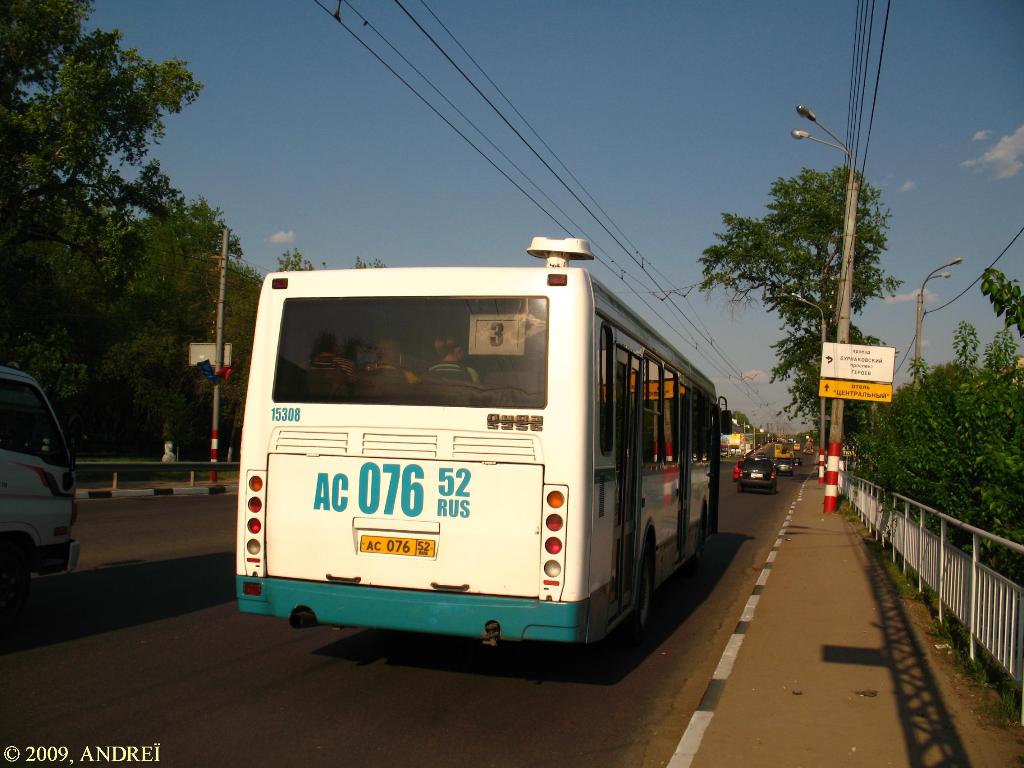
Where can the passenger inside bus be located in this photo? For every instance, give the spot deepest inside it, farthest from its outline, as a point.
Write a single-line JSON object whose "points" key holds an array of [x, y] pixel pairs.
{"points": [[450, 364], [389, 364], [330, 373]]}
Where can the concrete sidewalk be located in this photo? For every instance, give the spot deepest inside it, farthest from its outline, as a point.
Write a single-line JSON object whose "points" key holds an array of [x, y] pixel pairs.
{"points": [[825, 668]]}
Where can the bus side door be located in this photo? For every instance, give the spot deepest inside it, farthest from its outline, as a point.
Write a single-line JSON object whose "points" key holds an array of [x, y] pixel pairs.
{"points": [[628, 398]]}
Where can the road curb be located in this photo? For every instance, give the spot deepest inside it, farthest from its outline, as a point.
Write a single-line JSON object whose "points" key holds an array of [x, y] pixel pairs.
{"points": [[206, 490]]}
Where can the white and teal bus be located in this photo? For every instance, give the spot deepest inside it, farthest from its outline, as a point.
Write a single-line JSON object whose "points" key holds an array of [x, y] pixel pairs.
{"points": [[480, 452]]}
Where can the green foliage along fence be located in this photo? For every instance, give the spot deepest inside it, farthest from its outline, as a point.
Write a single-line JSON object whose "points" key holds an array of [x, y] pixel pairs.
{"points": [[955, 440]]}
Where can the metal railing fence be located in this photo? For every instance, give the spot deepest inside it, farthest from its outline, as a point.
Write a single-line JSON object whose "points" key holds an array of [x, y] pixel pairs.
{"points": [[116, 468], [988, 604]]}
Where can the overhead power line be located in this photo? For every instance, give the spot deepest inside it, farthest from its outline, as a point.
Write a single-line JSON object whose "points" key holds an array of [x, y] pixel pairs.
{"points": [[965, 290], [635, 256], [730, 372], [978, 278]]}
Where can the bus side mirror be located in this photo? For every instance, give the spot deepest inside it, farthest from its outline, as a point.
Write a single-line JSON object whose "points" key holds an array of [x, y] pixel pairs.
{"points": [[725, 420]]}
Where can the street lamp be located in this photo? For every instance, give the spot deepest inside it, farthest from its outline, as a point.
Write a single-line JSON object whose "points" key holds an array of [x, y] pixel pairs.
{"points": [[821, 428], [920, 309], [845, 293]]}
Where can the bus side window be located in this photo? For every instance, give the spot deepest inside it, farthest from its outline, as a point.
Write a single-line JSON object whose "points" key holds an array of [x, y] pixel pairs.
{"points": [[605, 401], [686, 412], [700, 429], [652, 434], [671, 414]]}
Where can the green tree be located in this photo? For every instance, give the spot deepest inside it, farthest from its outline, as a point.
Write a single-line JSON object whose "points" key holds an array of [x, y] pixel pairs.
{"points": [[740, 417], [955, 441], [1006, 298], [78, 115], [375, 264], [797, 249], [170, 302], [293, 261]]}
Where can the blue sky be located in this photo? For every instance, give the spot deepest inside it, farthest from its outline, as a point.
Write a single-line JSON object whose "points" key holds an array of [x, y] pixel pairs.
{"points": [[670, 113]]}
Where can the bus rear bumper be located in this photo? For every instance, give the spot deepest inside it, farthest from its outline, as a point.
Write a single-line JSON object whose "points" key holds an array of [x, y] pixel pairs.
{"points": [[443, 613]]}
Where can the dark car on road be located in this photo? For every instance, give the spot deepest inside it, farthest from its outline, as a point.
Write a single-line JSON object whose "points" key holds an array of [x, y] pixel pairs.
{"points": [[784, 466], [758, 472]]}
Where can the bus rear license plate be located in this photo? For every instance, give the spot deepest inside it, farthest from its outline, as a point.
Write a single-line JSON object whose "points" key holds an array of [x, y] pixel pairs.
{"points": [[393, 545]]}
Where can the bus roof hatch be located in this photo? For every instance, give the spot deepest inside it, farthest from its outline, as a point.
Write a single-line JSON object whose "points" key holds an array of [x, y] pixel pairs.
{"points": [[559, 253]]}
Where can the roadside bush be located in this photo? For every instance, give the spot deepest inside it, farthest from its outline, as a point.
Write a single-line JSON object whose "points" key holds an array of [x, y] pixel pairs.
{"points": [[954, 441]]}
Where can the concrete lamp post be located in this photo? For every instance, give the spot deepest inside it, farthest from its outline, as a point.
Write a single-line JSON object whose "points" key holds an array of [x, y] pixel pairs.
{"points": [[835, 442], [921, 312]]}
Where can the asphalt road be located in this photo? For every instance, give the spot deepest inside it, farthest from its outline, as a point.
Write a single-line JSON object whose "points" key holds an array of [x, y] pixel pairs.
{"points": [[143, 645]]}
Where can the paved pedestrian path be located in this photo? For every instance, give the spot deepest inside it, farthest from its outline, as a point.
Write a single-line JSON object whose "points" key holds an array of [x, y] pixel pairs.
{"points": [[826, 669]]}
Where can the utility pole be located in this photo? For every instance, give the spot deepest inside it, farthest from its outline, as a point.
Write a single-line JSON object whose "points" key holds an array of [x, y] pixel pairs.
{"points": [[218, 347], [920, 310], [844, 296], [835, 441]]}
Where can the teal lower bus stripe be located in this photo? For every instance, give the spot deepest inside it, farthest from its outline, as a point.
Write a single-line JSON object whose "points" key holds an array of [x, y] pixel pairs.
{"points": [[443, 613]]}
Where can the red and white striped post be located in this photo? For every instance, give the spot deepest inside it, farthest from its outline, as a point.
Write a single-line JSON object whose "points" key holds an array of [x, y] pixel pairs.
{"points": [[821, 467], [214, 445], [832, 478]]}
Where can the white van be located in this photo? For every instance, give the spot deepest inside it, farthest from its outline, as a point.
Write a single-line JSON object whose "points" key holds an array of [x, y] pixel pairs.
{"points": [[37, 492]]}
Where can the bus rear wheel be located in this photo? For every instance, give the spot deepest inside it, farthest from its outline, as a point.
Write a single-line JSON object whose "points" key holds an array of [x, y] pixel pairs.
{"points": [[640, 619], [691, 566]]}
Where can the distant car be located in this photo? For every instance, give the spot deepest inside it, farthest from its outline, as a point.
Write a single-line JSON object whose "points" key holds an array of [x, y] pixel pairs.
{"points": [[784, 466], [758, 472]]}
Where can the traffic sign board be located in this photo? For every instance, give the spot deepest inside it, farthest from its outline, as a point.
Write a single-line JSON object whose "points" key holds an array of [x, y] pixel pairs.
{"points": [[857, 362], [198, 350], [855, 390]]}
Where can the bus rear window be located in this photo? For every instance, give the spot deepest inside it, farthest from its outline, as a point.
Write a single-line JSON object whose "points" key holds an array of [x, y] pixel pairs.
{"points": [[475, 352]]}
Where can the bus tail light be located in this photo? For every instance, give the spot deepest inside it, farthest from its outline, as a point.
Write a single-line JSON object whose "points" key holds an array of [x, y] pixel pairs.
{"points": [[555, 517], [251, 525], [252, 588]]}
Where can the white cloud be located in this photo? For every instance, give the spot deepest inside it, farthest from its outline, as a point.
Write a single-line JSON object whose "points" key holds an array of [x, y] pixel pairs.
{"points": [[982, 136], [756, 375], [903, 298], [282, 238], [908, 185], [1004, 159]]}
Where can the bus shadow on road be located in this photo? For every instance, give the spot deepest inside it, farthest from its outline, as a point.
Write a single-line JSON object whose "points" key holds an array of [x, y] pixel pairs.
{"points": [[71, 606], [604, 663]]}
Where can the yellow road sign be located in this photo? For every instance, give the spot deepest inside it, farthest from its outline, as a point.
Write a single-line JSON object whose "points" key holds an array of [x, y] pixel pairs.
{"points": [[855, 390]]}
